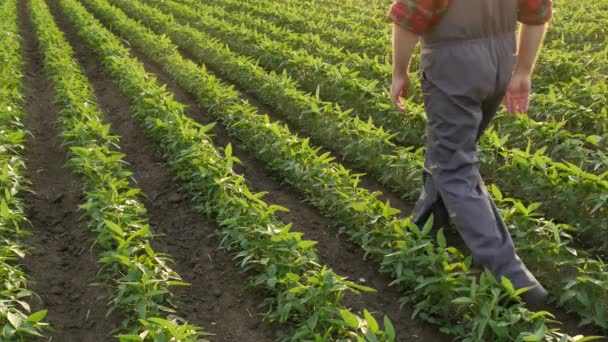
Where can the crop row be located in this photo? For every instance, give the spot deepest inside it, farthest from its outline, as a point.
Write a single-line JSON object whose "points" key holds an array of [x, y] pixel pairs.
{"points": [[575, 27], [561, 143], [347, 39], [364, 94], [363, 29], [575, 37], [347, 136], [139, 277], [332, 189], [505, 167], [279, 261], [340, 133], [584, 118], [357, 83], [16, 320]]}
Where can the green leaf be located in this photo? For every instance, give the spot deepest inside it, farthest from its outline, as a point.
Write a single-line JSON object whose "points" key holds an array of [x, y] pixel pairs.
{"points": [[304, 244], [114, 228], [441, 239], [580, 338], [359, 206], [595, 140], [496, 193], [228, 151], [127, 338], [389, 211], [508, 285], [37, 316], [311, 322], [541, 314], [4, 208], [350, 319], [15, 319], [389, 329], [371, 322], [522, 290], [463, 301], [361, 287], [369, 337]]}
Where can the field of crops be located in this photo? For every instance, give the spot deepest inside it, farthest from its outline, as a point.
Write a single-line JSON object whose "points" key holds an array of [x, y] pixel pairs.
{"points": [[233, 170]]}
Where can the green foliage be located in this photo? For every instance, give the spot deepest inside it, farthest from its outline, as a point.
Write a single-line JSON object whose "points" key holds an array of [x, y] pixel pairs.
{"points": [[542, 243], [139, 278], [300, 291], [17, 322], [328, 186], [342, 83]]}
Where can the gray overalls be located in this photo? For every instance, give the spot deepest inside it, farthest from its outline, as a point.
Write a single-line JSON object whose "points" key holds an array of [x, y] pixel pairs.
{"points": [[467, 60]]}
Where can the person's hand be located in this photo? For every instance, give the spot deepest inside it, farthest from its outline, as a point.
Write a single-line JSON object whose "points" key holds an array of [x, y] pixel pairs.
{"points": [[399, 88], [518, 94]]}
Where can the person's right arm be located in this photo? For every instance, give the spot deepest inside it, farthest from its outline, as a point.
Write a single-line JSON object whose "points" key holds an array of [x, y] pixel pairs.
{"points": [[411, 18], [404, 43]]}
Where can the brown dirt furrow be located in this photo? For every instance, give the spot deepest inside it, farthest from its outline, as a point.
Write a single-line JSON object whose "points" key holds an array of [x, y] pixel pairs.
{"points": [[217, 299], [342, 256], [61, 263], [569, 322]]}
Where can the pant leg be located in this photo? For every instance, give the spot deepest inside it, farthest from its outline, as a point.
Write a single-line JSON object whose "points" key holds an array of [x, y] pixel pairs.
{"points": [[430, 203], [453, 177]]}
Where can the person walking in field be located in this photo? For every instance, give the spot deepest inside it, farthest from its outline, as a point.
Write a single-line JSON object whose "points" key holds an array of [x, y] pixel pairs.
{"points": [[470, 64]]}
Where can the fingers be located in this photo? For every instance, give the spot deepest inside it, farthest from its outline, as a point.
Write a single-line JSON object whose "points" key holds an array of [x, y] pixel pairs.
{"points": [[509, 103], [518, 94], [397, 104], [516, 102], [404, 92], [523, 104], [519, 104], [397, 91]]}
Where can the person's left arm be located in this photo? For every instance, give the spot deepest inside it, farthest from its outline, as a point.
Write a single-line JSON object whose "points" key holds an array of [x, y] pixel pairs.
{"points": [[534, 16]]}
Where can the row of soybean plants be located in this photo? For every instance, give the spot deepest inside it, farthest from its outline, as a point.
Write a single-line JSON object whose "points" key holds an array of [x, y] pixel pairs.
{"points": [[572, 146], [344, 86], [570, 83], [582, 110], [346, 137], [561, 144], [16, 319], [507, 166], [575, 27], [578, 28], [139, 278], [299, 290], [399, 166], [304, 21], [445, 285]]}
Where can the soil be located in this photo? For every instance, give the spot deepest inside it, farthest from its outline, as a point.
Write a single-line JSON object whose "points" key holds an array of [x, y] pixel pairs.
{"points": [[61, 263], [569, 323], [341, 255], [218, 300], [217, 297], [192, 248]]}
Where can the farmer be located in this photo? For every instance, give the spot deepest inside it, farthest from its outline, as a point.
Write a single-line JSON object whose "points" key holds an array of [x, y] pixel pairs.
{"points": [[469, 66]]}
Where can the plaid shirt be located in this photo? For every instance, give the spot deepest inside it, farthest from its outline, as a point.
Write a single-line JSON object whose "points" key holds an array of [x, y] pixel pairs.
{"points": [[419, 16]]}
